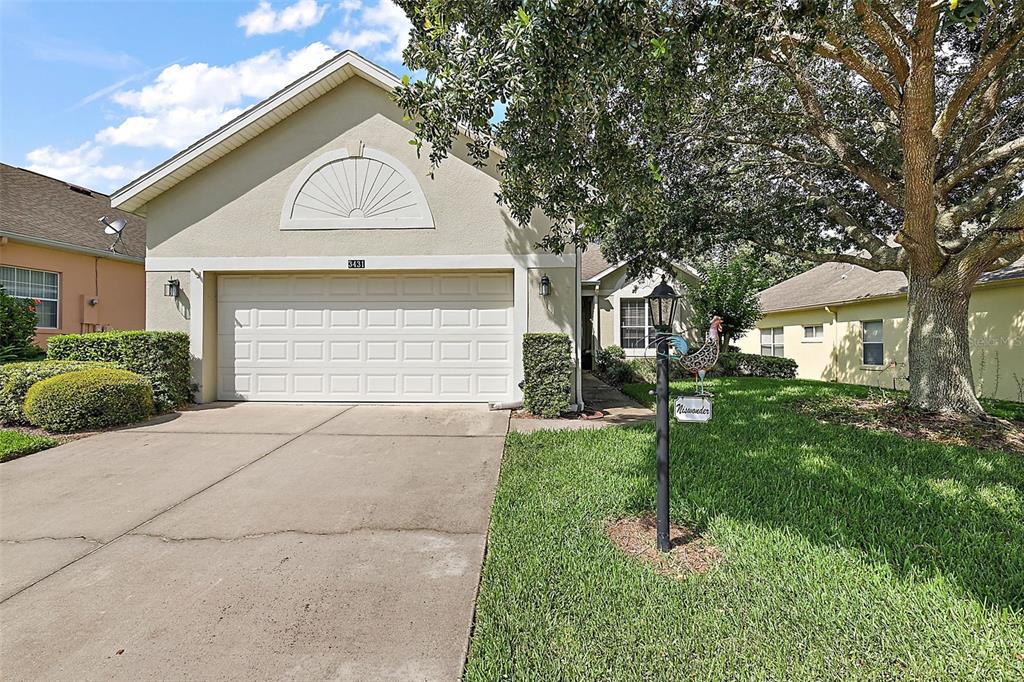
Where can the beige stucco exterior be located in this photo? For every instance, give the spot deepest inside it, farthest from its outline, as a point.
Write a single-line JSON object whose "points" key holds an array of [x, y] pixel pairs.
{"points": [[604, 298], [227, 218], [997, 341], [118, 287]]}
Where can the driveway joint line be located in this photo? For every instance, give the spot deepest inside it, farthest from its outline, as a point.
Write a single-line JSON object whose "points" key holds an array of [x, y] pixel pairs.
{"points": [[167, 509], [295, 531]]}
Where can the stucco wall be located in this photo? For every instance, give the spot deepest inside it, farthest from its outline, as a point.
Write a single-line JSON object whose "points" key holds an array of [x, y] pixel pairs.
{"points": [[997, 341], [165, 313], [617, 285], [233, 207], [119, 287]]}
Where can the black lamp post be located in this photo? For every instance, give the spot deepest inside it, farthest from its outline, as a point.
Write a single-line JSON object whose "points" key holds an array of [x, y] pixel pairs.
{"points": [[662, 304]]}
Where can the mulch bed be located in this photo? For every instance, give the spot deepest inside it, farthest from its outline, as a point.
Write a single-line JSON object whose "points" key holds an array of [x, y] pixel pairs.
{"points": [[689, 552], [893, 416], [585, 415]]}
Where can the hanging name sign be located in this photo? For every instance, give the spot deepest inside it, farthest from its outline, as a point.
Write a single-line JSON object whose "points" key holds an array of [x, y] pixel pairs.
{"points": [[693, 408]]}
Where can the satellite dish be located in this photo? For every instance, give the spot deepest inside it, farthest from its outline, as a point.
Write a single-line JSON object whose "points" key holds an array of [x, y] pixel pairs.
{"points": [[113, 228]]}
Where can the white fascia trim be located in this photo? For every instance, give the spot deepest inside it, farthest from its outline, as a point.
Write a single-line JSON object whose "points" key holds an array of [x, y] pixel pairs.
{"points": [[601, 275], [295, 263], [366, 68], [64, 246]]}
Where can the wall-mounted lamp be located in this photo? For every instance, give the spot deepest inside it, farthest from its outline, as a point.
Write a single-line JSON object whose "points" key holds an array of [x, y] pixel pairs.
{"points": [[545, 285], [172, 288]]}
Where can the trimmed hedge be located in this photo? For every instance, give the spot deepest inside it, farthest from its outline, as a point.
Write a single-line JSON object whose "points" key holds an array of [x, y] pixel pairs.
{"points": [[548, 373], [162, 357], [17, 377], [749, 365], [89, 399]]}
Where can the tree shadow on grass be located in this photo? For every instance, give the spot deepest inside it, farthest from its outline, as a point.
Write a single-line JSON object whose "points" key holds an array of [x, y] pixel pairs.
{"points": [[924, 509]]}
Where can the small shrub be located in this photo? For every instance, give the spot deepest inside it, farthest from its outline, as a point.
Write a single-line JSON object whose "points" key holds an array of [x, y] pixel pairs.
{"points": [[163, 357], [17, 377], [749, 365], [548, 372], [89, 399], [17, 327]]}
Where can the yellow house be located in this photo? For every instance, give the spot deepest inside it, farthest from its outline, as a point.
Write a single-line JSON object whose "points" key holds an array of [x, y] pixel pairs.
{"points": [[847, 324]]}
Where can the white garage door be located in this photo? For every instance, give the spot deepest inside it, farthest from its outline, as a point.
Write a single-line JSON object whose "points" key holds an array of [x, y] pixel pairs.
{"points": [[422, 337]]}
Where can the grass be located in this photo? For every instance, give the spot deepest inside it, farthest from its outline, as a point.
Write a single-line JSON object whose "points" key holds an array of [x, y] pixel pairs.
{"points": [[849, 554], [14, 444]]}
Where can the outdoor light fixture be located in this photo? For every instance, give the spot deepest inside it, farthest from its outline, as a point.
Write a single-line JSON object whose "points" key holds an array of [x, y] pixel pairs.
{"points": [[545, 285], [662, 302], [172, 288]]}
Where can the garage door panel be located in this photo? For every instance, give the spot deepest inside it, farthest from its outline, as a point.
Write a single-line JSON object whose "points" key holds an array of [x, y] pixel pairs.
{"points": [[416, 337]]}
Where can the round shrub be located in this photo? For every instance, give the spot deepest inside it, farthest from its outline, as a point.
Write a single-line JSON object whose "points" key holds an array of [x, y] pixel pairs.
{"points": [[89, 399], [17, 377]]}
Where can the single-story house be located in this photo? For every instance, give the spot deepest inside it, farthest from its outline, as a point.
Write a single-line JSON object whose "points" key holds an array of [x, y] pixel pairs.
{"points": [[848, 324], [313, 256], [54, 249], [614, 312]]}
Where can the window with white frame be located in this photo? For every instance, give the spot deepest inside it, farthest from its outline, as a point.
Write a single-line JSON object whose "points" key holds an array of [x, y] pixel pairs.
{"points": [[814, 333], [771, 342], [635, 330], [871, 340], [37, 285]]}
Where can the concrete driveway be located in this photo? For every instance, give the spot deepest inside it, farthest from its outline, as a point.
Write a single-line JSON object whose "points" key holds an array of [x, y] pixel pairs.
{"points": [[251, 541]]}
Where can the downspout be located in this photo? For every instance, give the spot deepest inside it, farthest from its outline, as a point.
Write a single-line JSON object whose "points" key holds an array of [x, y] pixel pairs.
{"points": [[835, 343]]}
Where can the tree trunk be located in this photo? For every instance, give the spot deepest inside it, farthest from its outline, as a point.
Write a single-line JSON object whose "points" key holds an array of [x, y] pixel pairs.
{"points": [[941, 378]]}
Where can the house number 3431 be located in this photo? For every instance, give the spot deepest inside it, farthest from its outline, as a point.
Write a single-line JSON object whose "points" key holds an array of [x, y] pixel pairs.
{"points": [[356, 264]]}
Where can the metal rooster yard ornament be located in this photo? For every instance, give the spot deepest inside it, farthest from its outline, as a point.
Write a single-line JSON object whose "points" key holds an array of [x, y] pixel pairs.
{"points": [[700, 361]]}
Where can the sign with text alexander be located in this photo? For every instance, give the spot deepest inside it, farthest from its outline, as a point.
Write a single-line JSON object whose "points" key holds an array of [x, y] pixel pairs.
{"points": [[693, 408]]}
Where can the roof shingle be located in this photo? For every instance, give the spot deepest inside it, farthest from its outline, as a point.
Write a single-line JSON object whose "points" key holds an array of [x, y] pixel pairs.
{"points": [[833, 283], [41, 207]]}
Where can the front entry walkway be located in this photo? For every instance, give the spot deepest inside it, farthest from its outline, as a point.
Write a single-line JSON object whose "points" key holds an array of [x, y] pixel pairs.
{"points": [[251, 541]]}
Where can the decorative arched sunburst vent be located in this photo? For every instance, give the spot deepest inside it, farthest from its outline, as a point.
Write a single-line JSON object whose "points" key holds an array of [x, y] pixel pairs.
{"points": [[364, 188]]}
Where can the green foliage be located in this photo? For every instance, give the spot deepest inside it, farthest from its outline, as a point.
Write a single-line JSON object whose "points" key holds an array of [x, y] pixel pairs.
{"points": [[14, 444], [611, 367], [17, 377], [664, 130], [17, 327], [89, 399], [848, 554], [163, 357], [548, 371], [749, 365], [728, 288]]}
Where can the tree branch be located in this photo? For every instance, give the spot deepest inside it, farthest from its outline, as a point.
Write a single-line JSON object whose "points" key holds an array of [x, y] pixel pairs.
{"points": [[972, 166], [849, 158], [991, 60], [898, 28], [1000, 244], [856, 63], [883, 39], [986, 195]]}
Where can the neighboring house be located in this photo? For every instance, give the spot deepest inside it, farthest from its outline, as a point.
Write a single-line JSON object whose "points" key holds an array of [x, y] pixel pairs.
{"points": [[614, 311], [846, 323], [319, 259], [53, 249]]}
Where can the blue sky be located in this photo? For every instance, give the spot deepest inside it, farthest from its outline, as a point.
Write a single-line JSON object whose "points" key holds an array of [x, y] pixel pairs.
{"points": [[95, 93]]}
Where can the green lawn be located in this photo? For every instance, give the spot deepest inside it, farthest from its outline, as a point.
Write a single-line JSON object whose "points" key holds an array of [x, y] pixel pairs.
{"points": [[14, 444], [850, 554]]}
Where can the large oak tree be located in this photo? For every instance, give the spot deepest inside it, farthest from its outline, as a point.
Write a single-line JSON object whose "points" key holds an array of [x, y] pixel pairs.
{"points": [[887, 134]]}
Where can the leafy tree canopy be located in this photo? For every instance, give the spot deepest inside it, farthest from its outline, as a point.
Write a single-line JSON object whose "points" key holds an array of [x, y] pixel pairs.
{"points": [[883, 133]]}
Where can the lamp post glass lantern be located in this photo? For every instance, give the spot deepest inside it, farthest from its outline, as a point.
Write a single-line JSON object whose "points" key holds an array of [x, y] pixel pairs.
{"points": [[662, 302]]}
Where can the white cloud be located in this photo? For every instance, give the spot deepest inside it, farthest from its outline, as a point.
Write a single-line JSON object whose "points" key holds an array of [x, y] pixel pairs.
{"points": [[80, 166], [265, 19], [379, 30], [186, 102]]}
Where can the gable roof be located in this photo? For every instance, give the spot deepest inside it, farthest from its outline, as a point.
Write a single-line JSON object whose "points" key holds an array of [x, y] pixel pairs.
{"points": [[50, 212], [835, 283], [593, 264], [250, 123]]}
